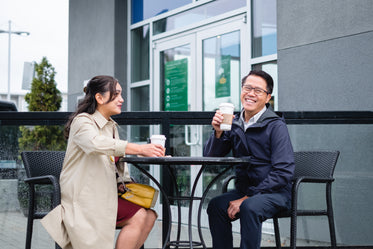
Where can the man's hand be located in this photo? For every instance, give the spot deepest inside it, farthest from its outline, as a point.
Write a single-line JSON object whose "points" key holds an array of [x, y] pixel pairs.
{"points": [[216, 121], [234, 207]]}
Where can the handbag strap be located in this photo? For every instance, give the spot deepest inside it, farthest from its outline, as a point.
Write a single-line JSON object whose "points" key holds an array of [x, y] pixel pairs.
{"points": [[120, 178], [112, 158]]}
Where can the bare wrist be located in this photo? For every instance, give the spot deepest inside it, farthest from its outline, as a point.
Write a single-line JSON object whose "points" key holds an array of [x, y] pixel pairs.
{"points": [[218, 133], [139, 149]]}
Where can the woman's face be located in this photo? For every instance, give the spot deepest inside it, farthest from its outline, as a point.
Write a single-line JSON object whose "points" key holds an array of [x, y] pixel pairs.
{"points": [[107, 109]]}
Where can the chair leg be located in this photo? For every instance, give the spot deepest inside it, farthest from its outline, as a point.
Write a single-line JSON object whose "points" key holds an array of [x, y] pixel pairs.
{"points": [[293, 231], [30, 219], [333, 240], [30, 222], [277, 233]]}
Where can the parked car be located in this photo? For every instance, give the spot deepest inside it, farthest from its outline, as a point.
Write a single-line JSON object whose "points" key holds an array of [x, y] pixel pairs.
{"points": [[8, 145], [7, 106]]}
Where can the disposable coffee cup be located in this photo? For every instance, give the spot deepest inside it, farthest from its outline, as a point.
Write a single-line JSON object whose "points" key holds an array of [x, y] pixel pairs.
{"points": [[227, 111], [158, 139]]}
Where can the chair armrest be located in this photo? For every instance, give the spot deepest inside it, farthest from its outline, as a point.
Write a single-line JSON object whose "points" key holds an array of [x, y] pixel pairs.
{"points": [[226, 183], [296, 181], [48, 179], [299, 180]]}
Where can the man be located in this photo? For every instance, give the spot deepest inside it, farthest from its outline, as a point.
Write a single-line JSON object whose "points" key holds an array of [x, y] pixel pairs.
{"points": [[263, 186]]}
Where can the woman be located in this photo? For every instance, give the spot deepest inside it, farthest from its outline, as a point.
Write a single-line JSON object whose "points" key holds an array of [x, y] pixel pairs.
{"points": [[90, 209]]}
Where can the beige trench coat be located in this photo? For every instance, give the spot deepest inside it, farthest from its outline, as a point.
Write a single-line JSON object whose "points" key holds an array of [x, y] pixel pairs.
{"points": [[86, 217]]}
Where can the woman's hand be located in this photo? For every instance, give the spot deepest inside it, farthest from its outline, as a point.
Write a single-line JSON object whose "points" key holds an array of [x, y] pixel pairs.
{"points": [[121, 188], [148, 150], [152, 150]]}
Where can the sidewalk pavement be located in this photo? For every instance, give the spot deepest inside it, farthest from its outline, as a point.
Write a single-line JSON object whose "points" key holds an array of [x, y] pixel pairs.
{"points": [[13, 234]]}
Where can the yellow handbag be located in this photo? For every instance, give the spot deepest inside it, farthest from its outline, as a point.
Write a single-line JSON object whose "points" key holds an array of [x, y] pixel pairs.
{"points": [[140, 194]]}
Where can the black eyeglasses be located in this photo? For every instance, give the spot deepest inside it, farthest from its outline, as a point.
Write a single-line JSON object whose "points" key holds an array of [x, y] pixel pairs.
{"points": [[258, 91]]}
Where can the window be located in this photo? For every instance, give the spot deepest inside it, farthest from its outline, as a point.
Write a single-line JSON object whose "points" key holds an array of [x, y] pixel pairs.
{"points": [[264, 27], [221, 70], [140, 98], [140, 102], [144, 9], [271, 69], [199, 13], [140, 54]]}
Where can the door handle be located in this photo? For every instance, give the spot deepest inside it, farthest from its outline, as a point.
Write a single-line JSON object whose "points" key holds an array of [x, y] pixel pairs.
{"points": [[196, 136]]}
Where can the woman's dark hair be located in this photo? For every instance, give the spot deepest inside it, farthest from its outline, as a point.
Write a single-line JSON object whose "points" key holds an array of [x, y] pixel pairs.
{"points": [[262, 74], [98, 84]]}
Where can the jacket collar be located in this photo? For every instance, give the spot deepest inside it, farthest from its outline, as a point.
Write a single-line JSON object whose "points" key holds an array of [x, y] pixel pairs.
{"points": [[100, 120], [253, 119], [268, 115]]}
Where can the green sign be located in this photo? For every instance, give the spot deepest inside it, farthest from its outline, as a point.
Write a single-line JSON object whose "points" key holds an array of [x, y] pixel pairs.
{"points": [[176, 85], [223, 76]]}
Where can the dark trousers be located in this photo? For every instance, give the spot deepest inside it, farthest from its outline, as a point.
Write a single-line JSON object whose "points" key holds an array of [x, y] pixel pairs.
{"points": [[253, 211]]}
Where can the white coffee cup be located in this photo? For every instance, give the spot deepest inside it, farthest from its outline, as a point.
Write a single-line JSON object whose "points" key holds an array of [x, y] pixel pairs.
{"points": [[158, 139], [227, 110]]}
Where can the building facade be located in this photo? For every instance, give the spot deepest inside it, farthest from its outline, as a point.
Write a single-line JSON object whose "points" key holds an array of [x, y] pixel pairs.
{"points": [[190, 56]]}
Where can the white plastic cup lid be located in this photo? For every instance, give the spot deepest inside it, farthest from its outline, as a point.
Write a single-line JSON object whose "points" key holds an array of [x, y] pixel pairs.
{"points": [[226, 107], [160, 137]]}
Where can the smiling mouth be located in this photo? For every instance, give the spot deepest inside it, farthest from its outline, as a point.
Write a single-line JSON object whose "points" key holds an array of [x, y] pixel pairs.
{"points": [[249, 101]]}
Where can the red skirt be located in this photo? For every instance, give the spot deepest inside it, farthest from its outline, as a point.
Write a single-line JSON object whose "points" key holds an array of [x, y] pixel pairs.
{"points": [[126, 210]]}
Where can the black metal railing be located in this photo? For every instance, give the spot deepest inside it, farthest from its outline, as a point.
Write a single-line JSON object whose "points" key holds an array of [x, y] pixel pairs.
{"points": [[167, 119], [127, 118]]}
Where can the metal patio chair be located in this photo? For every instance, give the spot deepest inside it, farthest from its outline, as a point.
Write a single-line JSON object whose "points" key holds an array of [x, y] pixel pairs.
{"points": [[310, 167], [42, 168]]}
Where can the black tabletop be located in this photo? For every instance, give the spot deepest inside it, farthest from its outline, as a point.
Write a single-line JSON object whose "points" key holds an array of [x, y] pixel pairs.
{"points": [[183, 160]]}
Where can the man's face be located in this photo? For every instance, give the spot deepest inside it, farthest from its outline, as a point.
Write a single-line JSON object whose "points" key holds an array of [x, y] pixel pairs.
{"points": [[254, 100]]}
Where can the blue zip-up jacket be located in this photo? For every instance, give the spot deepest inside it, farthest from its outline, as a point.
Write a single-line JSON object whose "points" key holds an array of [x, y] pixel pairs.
{"points": [[267, 144]]}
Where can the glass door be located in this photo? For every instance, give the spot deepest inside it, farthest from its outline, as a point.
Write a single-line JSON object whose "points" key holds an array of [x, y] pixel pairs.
{"points": [[196, 72], [221, 69], [175, 89]]}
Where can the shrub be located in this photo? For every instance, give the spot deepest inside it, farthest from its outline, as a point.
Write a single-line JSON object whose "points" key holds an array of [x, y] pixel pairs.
{"points": [[44, 96]]}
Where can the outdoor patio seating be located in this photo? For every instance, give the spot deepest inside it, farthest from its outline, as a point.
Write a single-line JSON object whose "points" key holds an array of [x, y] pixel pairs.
{"points": [[310, 167], [42, 167]]}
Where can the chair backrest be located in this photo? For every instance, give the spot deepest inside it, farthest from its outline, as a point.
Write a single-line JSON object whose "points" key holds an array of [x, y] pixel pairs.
{"points": [[315, 163], [41, 163]]}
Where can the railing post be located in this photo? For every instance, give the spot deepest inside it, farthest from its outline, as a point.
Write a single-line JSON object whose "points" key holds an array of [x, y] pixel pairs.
{"points": [[166, 177]]}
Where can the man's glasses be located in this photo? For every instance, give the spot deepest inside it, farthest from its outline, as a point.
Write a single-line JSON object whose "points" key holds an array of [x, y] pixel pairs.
{"points": [[258, 91]]}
